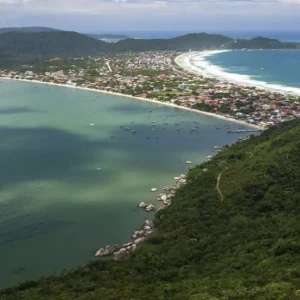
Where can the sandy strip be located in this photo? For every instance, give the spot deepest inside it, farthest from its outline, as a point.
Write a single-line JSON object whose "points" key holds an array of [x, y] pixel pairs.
{"points": [[142, 99], [207, 69]]}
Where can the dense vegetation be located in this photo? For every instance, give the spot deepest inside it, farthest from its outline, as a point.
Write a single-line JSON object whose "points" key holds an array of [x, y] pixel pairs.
{"points": [[26, 45], [27, 29], [260, 43], [20, 45], [243, 244]]}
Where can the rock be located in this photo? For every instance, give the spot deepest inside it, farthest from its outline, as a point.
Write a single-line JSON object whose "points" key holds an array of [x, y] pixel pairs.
{"points": [[107, 251], [153, 190], [149, 207], [149, 223], [167, 188], [134, 236], [141, 233], [148, 232], [133, 247], [137, 241], [98, 253], [128, 244], [120, 254], [163, 197], [170, 196], [142, 205], [160, 208], [147, 228]]}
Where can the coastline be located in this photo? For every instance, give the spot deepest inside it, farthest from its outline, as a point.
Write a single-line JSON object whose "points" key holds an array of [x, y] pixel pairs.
{"points": [[141, 99], [207, 69]]}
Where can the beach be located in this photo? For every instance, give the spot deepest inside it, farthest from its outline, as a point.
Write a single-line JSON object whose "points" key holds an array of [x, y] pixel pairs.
{"points": [[142, 99], [196, 63]]}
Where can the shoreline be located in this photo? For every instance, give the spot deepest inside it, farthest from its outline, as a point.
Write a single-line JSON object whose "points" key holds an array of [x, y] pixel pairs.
{"points": [[206, 69], [141, 99]]}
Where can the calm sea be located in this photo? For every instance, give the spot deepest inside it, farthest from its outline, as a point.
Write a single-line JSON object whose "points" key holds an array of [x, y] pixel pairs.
{"points": [[56, 209], [276, 67]]}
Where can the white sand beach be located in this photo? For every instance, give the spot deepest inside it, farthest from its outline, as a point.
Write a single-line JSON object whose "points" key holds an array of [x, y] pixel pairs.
{"points": [[195, 62], [141, 99]]}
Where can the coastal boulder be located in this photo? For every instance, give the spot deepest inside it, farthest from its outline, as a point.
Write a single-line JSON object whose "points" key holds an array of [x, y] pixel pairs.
{"points": [[163, 197], [139, 240], [149, 207], [142, 205], [120, 254], [107, 250]]}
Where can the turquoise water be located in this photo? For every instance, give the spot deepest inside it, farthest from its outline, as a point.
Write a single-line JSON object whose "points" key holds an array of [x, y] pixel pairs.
{"points": [[56, 209], [277, 67]]}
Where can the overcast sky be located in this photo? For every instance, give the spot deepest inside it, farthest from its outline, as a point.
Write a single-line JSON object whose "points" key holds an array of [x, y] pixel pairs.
{"points": [[152, 15]]}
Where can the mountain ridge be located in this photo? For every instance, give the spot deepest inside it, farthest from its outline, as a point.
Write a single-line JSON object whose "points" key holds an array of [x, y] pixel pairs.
{"points": [[42, 45]]}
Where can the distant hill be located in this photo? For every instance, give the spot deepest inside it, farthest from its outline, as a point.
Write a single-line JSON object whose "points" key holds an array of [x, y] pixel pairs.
{"points": [[194, 41], [29, 45], [20, 45], [27, 29], [260, 43]]}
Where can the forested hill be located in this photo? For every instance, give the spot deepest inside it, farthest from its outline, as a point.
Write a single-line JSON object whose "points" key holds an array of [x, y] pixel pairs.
{"points": [[232, 232], [15, 45], [35, 45], [260, 43], [27, 29]]}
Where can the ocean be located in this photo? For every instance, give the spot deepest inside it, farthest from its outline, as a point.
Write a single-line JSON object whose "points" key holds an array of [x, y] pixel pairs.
{"points": [[277, 70], [56, 208]]}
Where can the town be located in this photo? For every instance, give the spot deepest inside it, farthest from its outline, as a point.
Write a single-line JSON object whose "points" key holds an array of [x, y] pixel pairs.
{"points": [[156, 76]]}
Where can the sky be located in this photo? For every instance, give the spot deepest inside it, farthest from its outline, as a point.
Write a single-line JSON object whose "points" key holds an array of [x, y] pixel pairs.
{"points": [[96, 16]]}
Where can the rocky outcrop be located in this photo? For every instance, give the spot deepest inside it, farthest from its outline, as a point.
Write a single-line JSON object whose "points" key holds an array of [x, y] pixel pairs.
{"points": [[107, 251], [120, 252], [147, 207]]}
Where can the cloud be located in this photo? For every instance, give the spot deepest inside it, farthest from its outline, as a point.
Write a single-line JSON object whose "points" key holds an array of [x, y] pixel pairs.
{"points": [[153, 14]]}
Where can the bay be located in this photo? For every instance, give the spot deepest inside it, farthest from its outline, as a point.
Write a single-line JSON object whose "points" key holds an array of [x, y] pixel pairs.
{"points": [[56, 208]]}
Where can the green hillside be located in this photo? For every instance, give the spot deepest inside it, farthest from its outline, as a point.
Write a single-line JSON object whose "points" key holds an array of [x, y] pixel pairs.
{"points": [[240, 241], [32, 45], [194, 41], [27, 29], [260, 43]]}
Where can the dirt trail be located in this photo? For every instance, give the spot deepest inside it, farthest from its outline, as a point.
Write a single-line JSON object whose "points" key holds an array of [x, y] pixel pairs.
{"points": [[218, 189]]}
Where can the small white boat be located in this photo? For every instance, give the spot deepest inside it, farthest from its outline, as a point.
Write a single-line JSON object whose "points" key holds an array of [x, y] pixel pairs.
{"points": [[99, 169], [188, 162], [92, 124], [153, 190]]}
